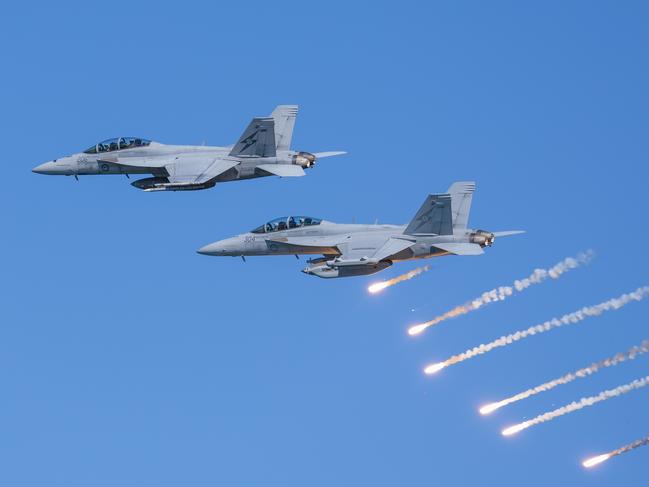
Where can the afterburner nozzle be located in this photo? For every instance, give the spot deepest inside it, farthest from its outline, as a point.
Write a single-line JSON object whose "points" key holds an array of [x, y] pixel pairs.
{"points": [[304, 159], [482, 238]]}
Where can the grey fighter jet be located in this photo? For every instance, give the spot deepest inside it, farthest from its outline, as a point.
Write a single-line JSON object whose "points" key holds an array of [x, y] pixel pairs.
{"points": [[262, 150], [439, 228]]}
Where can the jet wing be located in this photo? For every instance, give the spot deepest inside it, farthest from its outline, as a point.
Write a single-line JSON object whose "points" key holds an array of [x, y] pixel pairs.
{"points": [[197, 170], [369, 250], [460, 248], [362, 252], [282, 170], [391, 247]]}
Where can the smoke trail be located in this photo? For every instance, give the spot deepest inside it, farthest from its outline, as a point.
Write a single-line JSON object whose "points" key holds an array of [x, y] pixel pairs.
{"points": [[503, 292], [554, 272], [380, 286], [596, 460], [578, 374], [568, 319], [577, 405]]}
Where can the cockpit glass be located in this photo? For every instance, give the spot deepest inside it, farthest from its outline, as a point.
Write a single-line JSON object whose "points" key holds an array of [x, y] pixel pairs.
{"points": [[120, 143], [287, 223], [107, 145]]}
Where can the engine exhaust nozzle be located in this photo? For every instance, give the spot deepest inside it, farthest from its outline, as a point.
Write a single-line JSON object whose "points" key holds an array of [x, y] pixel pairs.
{"points": [[482, 238], [304, 159]]}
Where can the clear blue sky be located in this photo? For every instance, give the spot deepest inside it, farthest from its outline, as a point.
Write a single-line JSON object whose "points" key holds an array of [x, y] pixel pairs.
{"points": [[128, 359]]}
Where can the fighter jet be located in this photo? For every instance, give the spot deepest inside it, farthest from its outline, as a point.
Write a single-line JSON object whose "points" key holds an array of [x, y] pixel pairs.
{"points": [[439, 228], [262, 150]]}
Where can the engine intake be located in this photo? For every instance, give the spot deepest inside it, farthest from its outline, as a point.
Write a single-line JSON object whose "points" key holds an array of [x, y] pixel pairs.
{"points": [[482, 238], [304, 159]]}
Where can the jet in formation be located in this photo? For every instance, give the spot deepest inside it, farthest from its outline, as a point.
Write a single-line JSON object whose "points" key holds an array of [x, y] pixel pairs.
{"points": [[439, 228], [262, 150]]}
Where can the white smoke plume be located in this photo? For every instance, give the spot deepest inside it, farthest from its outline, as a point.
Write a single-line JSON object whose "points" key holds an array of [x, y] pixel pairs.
{"points": [[503, 292], [568, 319], [381, 285], [577, 405], [596, 460], [630, 354], [554, 272]]}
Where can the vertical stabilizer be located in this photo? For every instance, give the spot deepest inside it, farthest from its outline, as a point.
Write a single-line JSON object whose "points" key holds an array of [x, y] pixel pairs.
{"points": [[258, 140], [433, 218], [284, 116], [461, 195]]}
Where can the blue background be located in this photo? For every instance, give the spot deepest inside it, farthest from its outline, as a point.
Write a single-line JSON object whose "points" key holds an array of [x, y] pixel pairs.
{"points": [[128, 359]]}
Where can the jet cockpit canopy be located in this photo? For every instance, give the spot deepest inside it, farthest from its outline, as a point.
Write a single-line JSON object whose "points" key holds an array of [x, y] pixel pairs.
{"points": [[287, 223], [118, 143]]}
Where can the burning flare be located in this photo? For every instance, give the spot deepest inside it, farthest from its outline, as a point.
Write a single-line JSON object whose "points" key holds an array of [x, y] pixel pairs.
{"points": [[577, 405], [381, 285], [578, 374], [596, 460], [503, 292], [568, 319], [591, 462]]}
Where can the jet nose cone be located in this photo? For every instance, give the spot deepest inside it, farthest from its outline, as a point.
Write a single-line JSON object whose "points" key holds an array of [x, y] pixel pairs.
{"points": [[211, 249], [229, 246], [205, 250], [45, 168]]}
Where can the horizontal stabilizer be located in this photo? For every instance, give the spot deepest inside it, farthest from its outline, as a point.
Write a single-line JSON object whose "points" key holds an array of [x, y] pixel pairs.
{"points": [[282, 170], [321, 155], [507, 233], [460, 248]]}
